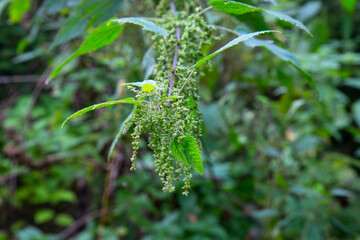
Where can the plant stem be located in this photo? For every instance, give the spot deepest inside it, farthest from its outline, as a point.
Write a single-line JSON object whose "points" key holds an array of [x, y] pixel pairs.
{"points": [[185, 81], [176, 55], [204, 10]]}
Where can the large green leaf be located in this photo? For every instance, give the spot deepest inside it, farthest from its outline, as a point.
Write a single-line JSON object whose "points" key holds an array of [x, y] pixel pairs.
{"points": [[87, 13], [102, 36], [229, 45], [282, 54], [120, 132], [237, 8], [289, 19], [146, 24], [275, 49], [100, 105], [187, 151], [73, 28]]}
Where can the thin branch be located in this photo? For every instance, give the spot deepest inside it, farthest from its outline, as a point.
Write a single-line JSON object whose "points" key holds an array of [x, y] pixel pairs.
{"points": [[205, 10], [77, 224], [19, 79], [185, 81]]}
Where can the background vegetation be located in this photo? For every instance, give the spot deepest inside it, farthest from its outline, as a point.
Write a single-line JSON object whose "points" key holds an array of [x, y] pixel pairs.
{"points": [[280, 161]]}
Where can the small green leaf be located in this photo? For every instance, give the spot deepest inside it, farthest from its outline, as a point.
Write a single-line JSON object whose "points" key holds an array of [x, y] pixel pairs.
{"points": [[289, 19], [44, 215], [146, 85], [120, 132], [17, 10], [229, 45], [100, 105], [64, 220], [146, 24], [62, 195], [187, 151], [237, 8], [102, 36]]}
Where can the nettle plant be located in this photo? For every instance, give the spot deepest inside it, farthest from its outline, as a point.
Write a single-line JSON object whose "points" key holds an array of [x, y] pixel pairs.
{"points": [[167, 107]]}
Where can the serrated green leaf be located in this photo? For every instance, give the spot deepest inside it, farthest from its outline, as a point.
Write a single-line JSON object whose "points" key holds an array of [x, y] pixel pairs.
{"points": [[237, 8], [102, 36], [120, 132], [146, 24], [100, 105], [187, 151], [282, 54], [44, 215], [72, 29], [289, 19], [146, 85], [87, 13], [275, 49], [230, 44]]}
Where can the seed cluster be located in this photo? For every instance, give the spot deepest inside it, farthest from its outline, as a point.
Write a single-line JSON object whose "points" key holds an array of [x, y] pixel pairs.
{"points": [[165, 119]]}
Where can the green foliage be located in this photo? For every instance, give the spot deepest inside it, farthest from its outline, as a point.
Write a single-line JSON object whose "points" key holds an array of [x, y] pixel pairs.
{"points": [[239, 8], [146, 24], [232, 43], [275, 49], [100, 105], [120, 132], [277, 162], [186, 150], [233, 7], [44, 215], [17, 10], [102, 36], [289, 19], [146, 85], [86, 13]]}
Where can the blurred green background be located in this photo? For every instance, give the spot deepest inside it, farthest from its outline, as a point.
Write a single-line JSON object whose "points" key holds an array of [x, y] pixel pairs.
{"points": [[280, 161]]}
